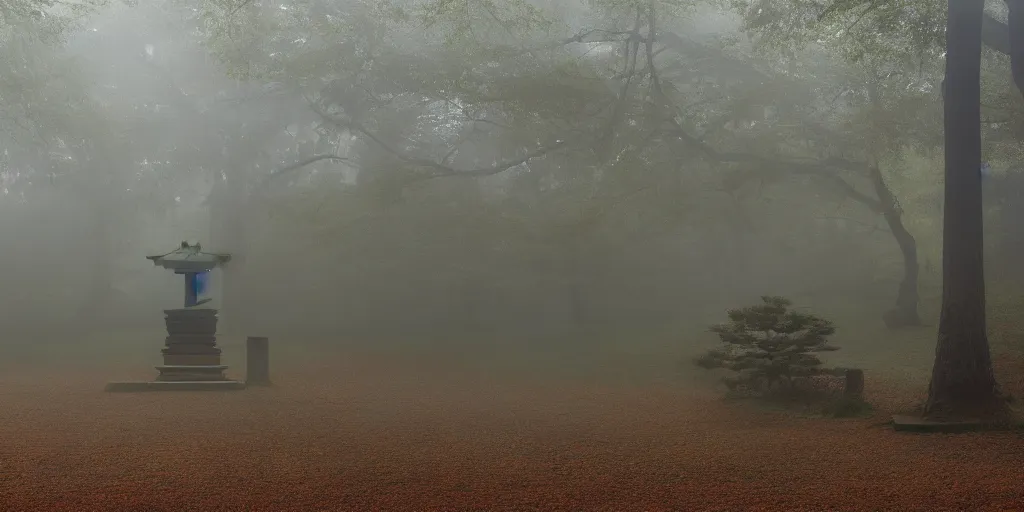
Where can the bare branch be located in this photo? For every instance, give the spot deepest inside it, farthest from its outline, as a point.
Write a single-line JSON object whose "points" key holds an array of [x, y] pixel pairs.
{"points": [[276, 173], [498, 167], [302, 163], [449, 155], [441, 170], [609, 36], [239, 7], [470, 117], [871, 7], [631, 50], [820, 169]]}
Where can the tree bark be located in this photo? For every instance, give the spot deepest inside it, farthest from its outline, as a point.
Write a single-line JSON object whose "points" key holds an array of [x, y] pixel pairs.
{"points": [[905, 313], [962, 383]]}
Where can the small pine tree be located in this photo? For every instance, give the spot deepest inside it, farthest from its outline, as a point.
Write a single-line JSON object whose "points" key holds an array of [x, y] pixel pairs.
{"points": [[769, 345]]}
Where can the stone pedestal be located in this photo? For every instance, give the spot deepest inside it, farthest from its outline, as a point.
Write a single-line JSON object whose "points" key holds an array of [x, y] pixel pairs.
{"points": [[191, 357], [191, 352]]}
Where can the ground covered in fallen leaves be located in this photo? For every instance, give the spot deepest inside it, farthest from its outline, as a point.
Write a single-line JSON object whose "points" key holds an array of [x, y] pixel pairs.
{"points": [[365, 432]]}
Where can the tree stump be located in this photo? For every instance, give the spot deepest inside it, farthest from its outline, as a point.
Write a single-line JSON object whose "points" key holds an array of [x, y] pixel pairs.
{"points": [[854, 387], [257, 361]]}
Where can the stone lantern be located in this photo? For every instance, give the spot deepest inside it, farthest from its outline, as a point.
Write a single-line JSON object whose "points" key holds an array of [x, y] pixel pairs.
{"points": [[191, 358]]}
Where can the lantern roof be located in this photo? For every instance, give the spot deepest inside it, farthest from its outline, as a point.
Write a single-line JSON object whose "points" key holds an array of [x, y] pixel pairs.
{"points": [[189, 257]]}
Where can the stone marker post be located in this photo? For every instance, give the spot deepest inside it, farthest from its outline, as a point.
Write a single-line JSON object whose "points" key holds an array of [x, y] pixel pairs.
{"points": [[854, 387], [257, 361]]}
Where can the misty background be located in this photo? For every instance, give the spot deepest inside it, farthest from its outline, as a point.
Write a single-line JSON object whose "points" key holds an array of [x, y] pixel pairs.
{"points": [[135, 126]]}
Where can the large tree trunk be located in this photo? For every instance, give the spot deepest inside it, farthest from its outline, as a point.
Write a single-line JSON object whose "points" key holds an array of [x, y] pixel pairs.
{"points": [[905, 313], [962, 383]]}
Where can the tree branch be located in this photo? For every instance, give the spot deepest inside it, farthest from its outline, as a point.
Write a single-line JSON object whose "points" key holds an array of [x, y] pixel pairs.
{"points": [[299, 165], [629, 70], [809, 168], [302, 163], [440, 169], [239, 7], [496, 168]]}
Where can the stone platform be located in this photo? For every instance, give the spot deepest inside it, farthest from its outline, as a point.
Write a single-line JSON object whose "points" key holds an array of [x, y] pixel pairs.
{"points": [[184, 385], [191, 372], [908, 423]]}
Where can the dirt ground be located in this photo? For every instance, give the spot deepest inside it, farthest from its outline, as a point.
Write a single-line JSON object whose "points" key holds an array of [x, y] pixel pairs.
{"points": [[361, 431]]}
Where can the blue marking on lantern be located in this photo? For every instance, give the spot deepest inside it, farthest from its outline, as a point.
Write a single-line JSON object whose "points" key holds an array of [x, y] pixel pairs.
{"points": [[202, 283], [195, 287], [191, 295]]}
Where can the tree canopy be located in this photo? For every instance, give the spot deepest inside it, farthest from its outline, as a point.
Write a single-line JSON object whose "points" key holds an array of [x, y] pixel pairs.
{"points": [[580, 143]]}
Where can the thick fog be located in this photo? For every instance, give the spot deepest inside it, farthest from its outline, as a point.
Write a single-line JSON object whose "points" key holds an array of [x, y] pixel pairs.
{"points": [[508, 255], [161, 122]]}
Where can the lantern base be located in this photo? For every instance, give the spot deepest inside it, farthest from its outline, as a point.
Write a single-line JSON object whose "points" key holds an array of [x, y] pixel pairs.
{"points": [[138, 386], [191, 372]]}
